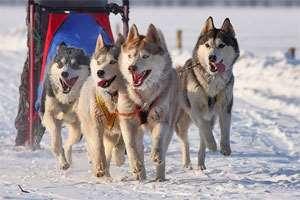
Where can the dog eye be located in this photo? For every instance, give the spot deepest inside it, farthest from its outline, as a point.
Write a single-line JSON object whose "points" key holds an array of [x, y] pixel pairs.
{"points": [[207, 45], [59, 64], [221, 46], [112, 62], [129, 56], [98, 62], [145, 56]]}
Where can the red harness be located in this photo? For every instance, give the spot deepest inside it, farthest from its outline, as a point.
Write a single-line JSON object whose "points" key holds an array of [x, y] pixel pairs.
{"points": [[139, 112]]}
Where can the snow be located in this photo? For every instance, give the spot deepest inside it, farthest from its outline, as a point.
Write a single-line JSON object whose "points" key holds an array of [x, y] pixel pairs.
{"points": [[265, 162]]}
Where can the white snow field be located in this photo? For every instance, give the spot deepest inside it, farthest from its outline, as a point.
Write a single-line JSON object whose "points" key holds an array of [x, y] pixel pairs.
{"points": [[265, 134]]}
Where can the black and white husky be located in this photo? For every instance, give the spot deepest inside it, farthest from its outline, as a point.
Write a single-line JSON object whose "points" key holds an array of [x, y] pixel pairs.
{"points": [[66, 75], [207, 89]]}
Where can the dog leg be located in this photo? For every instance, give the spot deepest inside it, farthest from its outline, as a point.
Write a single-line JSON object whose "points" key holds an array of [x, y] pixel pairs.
{"points": [[129, 131], [108, 147], [73, 138], [119, 151], [140, 148], [95, 147], [201, 152], [54, 128], [225, 122], [181, 129], [161, 137]]}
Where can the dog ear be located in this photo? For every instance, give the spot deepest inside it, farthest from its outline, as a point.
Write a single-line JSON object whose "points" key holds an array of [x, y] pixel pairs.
{"points": [[227, 27], [100, 43], [133, 33], [208, 26], [117, 47], [60, 46], [120, 40], [152, 34]]}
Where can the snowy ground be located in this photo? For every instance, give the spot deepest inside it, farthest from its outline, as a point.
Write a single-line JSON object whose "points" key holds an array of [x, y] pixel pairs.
{"points": [[265, 163]]}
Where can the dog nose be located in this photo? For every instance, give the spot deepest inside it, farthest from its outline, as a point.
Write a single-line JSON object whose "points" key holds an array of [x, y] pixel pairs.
{"points": [[65, 74], [100, 73], [212, 58], [132, 68]]}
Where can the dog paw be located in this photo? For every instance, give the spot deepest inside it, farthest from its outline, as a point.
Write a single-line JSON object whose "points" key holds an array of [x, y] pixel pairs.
{"points": [[65, 166], [139, 172], [99, 174], [160, 180], [187, 166], [201, 167], [139, 176], [155, 157], [225, 150]]}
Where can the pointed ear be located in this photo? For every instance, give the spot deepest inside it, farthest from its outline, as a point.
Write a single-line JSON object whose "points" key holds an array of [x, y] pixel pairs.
{"points": [[117, 47], [61, 45], [120, 40], [227, 27], [133, 33], [100, 43], [152, 34], [208, 26]]}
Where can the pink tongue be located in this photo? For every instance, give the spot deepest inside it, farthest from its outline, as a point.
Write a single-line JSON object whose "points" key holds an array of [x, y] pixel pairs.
{"points": [[220, 67], [137, 77], [102, 83]]}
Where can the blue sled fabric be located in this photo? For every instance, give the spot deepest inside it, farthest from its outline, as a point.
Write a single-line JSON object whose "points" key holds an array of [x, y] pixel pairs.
{"points": [[78, 30]]}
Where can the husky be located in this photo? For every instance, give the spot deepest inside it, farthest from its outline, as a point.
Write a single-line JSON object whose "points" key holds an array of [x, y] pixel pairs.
{"points": [[150, 100], [207, 89], [66, 75], [97, 108]]}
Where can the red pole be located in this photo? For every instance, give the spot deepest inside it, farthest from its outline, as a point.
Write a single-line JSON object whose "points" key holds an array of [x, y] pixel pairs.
{"points": [[31, 73]]}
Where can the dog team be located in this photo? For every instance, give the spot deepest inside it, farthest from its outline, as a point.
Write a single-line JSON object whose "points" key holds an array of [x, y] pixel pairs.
{"points": [[130, 88]]}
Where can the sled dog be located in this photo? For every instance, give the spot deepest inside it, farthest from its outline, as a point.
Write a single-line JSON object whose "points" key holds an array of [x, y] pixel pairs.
{"points": [[207, 89], [97, 109], [150, 100], [66, 75]]}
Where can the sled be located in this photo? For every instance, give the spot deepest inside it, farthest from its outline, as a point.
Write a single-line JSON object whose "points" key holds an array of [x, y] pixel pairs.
{"points": [[74, 22]]}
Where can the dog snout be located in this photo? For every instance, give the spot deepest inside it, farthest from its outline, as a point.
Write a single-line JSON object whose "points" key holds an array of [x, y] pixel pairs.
{"points": [[100, 73], [65, 74], [132, 68], [212, 58]]}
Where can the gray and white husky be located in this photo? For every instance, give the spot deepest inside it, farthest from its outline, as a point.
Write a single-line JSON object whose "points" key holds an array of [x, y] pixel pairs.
{"points": [[66, 75], [207, 89], [97, 108], [150, 99]]}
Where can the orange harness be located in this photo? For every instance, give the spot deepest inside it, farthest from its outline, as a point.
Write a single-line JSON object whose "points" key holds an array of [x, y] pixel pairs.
{"points": [[138, 112]]}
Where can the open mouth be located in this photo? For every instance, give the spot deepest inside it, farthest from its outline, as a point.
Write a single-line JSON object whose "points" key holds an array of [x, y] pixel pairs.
{"points": [[106, 83], [138, 78], [67, 84], [217, 67]]}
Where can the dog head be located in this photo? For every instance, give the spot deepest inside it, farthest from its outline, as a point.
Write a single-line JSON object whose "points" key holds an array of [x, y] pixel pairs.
{"points": [[104, 65], [216, 49], [142, 58], [69, 69]]}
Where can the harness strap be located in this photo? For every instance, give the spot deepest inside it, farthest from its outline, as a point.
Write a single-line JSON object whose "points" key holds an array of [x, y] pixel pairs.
{"points": [[139, 112], [110, 117]]}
